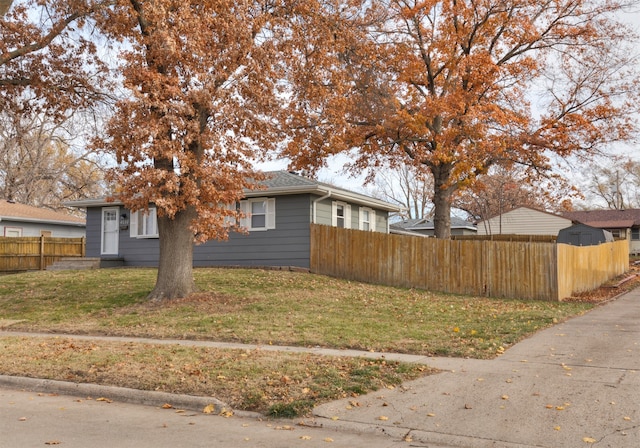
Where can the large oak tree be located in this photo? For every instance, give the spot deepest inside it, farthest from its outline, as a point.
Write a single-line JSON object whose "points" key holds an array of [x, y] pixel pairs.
{"points": [[205, 81], [454, 87]]}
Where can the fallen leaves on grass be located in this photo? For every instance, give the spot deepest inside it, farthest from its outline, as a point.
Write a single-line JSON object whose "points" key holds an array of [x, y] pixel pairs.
{"points": [[290, 384]]}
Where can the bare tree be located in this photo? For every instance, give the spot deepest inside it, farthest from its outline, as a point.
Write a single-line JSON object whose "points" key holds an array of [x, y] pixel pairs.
{"points": [[39, 164], [407, 188], [614, 183]]}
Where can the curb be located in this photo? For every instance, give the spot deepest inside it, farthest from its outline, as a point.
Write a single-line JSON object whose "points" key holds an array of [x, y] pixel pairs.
{"points": [[122, 394]]}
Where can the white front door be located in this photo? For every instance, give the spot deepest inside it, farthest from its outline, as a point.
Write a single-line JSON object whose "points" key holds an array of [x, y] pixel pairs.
{"points": [[110, 230]]}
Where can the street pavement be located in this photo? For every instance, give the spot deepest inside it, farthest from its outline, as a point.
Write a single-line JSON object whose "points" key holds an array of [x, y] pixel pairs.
{"points": [[576, 384]]}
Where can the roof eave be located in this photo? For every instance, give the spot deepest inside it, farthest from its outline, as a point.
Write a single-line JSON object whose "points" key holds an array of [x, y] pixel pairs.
{"points": [[42, 221], [336, 193]]}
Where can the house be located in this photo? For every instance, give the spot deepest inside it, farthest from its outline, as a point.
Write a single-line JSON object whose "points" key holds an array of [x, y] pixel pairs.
{"points": [[424, 227], [623, 224], [524, 221], [584, 235], [278, 223], [25, 220]]}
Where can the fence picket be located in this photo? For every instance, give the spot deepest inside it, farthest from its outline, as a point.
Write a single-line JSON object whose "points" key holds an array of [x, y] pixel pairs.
{"points": [[33, 253], [523, 269]]}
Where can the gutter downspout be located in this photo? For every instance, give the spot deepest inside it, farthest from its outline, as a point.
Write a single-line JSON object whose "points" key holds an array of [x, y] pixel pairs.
{"points": [[315, 207]]}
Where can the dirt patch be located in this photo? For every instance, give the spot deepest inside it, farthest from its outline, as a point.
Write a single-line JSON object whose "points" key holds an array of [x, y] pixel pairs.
{"points": [[613, 288], [6, 323]]}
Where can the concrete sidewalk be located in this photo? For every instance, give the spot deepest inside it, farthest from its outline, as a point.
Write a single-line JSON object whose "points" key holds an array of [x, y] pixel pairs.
{"points": [[574, 385]]}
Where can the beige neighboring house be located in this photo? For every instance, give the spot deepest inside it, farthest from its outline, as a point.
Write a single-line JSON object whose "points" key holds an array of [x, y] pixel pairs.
{"points": [[524, 221], [24, 220]]}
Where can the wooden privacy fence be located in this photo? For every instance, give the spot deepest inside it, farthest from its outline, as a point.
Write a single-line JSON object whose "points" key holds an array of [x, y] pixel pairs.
{"points": [[527, 270], [33, 253]]}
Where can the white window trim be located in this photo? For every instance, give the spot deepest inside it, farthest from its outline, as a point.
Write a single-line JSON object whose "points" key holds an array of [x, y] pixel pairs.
{"points": [[372, 218], [12, 229], [133, 224], [334, 214], [270, 214]]}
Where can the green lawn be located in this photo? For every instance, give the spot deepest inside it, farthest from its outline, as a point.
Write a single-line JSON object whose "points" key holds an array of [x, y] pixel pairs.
{"points": [[285, 308], [250, 306]]}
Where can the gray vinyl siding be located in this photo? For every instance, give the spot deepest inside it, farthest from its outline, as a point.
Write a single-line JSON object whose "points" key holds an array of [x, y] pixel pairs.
{"points": [[34, 229], [94, 229], [324, 211], [286, 245], [382, 219]]}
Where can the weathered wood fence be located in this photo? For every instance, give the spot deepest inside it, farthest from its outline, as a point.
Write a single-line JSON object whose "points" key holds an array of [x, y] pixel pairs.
{"points": [[527, 270], [33, 253]]}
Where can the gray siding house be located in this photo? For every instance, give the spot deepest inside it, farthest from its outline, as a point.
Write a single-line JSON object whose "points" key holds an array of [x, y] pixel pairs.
{"points": [[18, 220], [426, 227], [278, 224]]}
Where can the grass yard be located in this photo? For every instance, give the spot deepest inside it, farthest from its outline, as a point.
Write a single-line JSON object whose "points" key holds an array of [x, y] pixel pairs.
{"points": [[251, 306]]}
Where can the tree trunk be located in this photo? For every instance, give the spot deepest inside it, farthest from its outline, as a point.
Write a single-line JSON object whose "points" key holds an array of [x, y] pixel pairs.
{"points": [[175, 268], [442, 201], [4, 6]]}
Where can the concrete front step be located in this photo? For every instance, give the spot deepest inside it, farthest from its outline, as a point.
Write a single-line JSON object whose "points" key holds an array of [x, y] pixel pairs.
{"points": [[68, 263]]}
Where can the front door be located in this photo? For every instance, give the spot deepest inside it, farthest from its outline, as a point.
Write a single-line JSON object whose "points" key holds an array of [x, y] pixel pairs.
{"points": [[109, 231]]}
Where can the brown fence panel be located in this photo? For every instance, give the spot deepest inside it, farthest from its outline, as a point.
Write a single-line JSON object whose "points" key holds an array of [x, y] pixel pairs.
{"points": [[527, 270], [32, 253], [583, 268], [475, 267]]}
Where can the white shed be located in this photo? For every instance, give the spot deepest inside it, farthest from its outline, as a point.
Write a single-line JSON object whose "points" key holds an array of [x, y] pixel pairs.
{"points": [[523, 221]]}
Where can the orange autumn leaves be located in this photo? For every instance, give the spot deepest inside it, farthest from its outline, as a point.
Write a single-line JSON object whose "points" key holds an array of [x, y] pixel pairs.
{"points": [[453, 88]]}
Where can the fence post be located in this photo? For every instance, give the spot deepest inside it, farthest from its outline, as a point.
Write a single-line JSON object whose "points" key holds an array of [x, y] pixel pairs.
{"points": [[83, 249], [41, 252]]}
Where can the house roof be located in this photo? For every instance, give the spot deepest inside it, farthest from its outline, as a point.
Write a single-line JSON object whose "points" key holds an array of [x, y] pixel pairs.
{"points": [[12, 211], [280, 183], [606, 219], [424, 224]]}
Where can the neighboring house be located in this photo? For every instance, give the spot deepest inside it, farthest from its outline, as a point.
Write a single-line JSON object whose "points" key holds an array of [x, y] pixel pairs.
{"points": [[24, 220], [278, 223], [524, 221], [426, 227], [623, 224]]}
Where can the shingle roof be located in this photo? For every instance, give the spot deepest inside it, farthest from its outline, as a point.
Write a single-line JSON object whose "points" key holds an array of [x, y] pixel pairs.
{"points": [[407, 223], [606, 219], [284, 179], [423, 224], [21, 212], [284, 183]]}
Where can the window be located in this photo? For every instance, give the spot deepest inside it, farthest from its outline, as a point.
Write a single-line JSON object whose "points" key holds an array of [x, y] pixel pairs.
{"points": [[367, 219], [13, 231], [259, 214], [635, 233], [341, 215], [144, 224]]}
